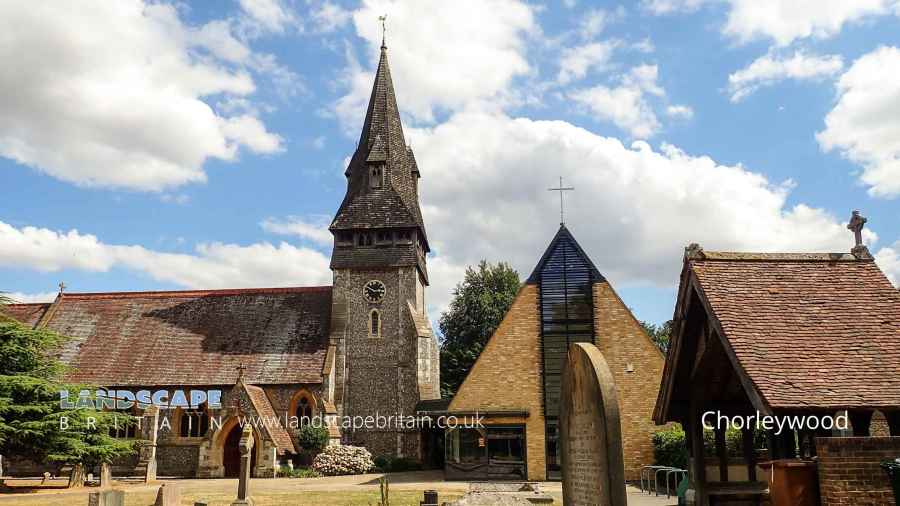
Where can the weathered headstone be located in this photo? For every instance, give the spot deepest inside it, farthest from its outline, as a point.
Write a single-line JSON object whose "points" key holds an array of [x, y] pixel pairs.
{"points": [[246, 447], [169, 494], [107, 498], [105, 475], [593, 471]]}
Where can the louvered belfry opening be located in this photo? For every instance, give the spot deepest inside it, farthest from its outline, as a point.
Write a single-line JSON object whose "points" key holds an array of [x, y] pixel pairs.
{"points": [[565, 276]]}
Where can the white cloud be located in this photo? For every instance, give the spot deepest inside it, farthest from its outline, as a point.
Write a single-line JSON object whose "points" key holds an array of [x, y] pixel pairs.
{"points": [[661, 7], [575, 62], [25, 298], [680, 111], [112, 93], [472, 60], [634, 208], [864, 124], [595, 20], [214, 265], [270, 15], [626, 105], [784, 21], [315, 230], [888, 259], [329, 17], [772, 68]]}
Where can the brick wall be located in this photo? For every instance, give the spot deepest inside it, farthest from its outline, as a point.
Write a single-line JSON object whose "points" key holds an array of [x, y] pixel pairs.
{"points": [[623, 342], [506, 376], [849, 471]]}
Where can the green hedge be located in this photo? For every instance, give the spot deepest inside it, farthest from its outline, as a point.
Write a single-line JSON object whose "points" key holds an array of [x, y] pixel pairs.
{"points": [[670, 447]]}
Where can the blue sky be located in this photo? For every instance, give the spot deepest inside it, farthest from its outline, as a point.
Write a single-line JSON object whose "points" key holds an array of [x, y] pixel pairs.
{"points": [[202, 145]]}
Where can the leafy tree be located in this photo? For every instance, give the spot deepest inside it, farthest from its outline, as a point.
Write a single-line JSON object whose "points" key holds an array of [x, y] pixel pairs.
{"points": [[479, 303], [32, 422], [660, 334], [312, 438]]}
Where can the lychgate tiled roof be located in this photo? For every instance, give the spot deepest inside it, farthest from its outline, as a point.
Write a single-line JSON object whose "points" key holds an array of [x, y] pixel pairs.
{"points": [[810, 330], [192, 337]]}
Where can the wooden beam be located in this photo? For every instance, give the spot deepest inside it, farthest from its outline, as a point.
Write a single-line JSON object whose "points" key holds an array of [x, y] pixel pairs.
{"points": [[749, 452], [698, 462], [722, 452]]}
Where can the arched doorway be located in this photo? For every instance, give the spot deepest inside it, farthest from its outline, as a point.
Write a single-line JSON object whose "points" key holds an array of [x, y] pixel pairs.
{"points": [[231, 453]]}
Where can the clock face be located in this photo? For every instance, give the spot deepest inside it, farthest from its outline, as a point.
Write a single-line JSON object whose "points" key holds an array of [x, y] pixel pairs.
{"points": [[374, 291]]}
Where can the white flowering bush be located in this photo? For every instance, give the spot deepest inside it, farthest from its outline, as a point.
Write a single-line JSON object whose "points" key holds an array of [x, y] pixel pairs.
{"points": [[339, 460]]}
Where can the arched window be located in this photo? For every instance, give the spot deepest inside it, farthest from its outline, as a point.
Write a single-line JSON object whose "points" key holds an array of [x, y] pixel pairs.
{"points": [[304, 411], [194, 423], [374, 323], [376, 180]]}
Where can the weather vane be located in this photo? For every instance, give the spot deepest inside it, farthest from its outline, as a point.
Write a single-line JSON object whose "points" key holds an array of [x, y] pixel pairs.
{"points": [[383, 19], [561, 189]]}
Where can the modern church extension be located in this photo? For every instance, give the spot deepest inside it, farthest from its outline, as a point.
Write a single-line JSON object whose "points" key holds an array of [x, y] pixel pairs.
{"points": [[361, 347], [515, 383]]}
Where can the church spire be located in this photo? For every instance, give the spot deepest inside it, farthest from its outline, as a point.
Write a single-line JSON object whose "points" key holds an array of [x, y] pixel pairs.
{"points": [[382, 176]]}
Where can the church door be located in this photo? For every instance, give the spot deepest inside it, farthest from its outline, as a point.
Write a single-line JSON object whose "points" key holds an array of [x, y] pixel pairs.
{"points": [[231, 458]]}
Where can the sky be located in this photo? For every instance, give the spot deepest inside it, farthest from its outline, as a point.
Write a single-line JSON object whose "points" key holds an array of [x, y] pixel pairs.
{"points": [[157, 145]]}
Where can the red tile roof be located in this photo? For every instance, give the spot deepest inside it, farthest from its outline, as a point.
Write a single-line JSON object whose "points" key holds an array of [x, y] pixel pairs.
{"points": [[29, 314], [191, 337], [810, 330], [264, 409]]}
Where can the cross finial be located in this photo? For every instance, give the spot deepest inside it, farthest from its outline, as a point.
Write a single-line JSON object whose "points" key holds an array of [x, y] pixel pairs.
{"points": [[383, 19], [240, 370], [857, 222], [62, 287], [561, 189]]}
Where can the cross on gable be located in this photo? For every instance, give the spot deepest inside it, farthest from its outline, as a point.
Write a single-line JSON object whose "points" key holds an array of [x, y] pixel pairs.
{"points": [[857, 222], [561, 189], [240, 369], [62, 287]]}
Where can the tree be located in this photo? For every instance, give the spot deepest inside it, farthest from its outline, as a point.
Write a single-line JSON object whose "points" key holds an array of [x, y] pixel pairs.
{"points": [[479, 303], [660, 334], [32, 421]]}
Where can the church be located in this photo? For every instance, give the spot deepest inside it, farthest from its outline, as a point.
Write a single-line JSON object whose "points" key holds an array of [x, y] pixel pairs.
{"points": [[361, 347]]}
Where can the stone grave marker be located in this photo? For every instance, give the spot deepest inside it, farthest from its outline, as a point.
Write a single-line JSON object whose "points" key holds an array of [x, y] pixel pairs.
{"points": [[105, 475], [593, 471], [169, 494], [107, 498], [246, 447]]}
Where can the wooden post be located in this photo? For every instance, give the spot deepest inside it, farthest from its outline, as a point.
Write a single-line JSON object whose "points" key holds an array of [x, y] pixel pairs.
{"points": [[749, 452], [698, 465], [722, 453]]}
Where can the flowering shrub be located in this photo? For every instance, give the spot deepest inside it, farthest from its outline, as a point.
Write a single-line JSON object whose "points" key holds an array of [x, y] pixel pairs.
{"points": [[338, 460]]}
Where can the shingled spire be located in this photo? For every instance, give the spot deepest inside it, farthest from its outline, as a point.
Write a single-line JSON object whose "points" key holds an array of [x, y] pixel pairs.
{"points": [[382, 180]]}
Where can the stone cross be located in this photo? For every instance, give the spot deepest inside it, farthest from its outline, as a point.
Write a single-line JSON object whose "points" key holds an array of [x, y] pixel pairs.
{"points": [[856, 224], [240, 369], [246, 447], [62, 287], [561, 189]]}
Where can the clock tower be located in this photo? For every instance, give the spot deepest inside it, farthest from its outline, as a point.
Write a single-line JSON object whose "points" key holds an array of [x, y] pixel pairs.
{"points": [[385, 356]]}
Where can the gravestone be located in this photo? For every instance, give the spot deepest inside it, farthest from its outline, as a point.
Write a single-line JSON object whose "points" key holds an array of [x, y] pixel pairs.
{"points": [[169, 494], [105, 475], [593, 471], [246, 447], [107, 498]]}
